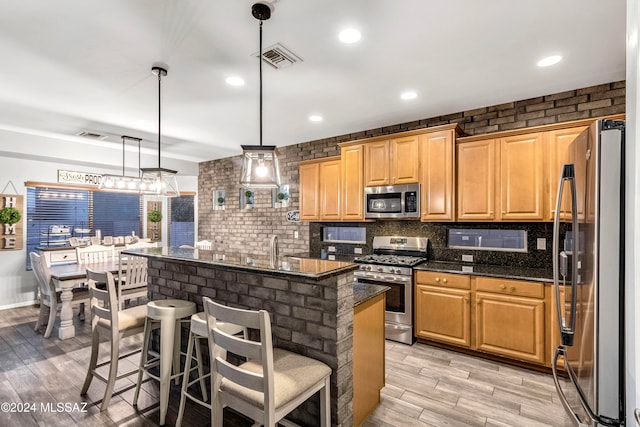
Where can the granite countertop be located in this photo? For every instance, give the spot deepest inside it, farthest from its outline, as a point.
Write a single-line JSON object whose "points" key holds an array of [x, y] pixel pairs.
{"points": [[502, 271], [285, 265], [363, 292]]}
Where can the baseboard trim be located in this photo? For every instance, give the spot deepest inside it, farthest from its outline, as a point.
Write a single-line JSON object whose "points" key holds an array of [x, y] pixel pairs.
{"points": [[18, 304]]}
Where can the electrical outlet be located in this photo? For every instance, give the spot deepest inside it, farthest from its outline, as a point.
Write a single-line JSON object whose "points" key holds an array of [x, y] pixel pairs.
{"points": [[331, 249], [295, 234], [467, 258], [541, 244], [357, 251]]}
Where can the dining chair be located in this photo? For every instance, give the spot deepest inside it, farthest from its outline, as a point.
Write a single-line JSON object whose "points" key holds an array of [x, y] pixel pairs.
{"points": [[95, 253], [49, 298], [108, 321], [272, 382], [94, 240], [204, 244], [132, 278], [141, 245]]}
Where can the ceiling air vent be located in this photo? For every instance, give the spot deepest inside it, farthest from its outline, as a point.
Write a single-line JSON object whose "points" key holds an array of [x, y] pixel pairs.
{"points": [[279, 56], [91, 135]]}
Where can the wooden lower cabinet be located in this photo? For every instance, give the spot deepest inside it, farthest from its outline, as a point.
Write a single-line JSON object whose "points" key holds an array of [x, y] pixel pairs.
{"points": [[503, 317], [510, 326], [368, 357], [448, 318]]}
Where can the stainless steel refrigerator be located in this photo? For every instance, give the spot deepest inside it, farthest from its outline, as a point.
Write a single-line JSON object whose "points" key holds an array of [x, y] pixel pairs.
{"points": [[588, 264]]}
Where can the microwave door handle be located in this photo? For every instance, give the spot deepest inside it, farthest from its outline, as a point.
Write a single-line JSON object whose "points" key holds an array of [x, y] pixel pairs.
{"points": [[566, 328]]}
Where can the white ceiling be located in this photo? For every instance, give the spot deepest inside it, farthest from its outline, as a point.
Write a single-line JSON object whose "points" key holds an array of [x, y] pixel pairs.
{"points": [[74, 65]]}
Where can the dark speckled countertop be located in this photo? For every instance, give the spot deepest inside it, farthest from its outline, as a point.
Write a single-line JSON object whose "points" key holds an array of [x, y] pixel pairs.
{"points": [[506, 272], [365, 291]]}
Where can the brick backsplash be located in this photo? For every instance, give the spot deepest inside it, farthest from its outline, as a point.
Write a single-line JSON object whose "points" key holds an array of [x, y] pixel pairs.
{"points": [[249, 230]]}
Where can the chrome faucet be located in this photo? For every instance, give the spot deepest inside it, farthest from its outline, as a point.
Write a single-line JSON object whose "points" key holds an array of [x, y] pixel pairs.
{"points": [[273, 251]]}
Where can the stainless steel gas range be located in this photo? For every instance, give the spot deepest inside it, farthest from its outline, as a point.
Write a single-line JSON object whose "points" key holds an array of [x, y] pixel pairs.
{"points": [[392, 265]]}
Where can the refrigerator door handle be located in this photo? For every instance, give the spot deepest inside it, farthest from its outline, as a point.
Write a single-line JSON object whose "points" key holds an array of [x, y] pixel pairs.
{"points": [[596, 419], [567, 329], [561, 351]]}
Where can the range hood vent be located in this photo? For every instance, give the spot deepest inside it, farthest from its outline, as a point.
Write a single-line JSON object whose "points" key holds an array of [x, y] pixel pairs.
{"points": [[91, 135], [279, 56]]}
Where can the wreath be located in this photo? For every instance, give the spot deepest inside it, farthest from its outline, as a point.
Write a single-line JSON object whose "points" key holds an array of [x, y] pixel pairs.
{"points": [[154, 216], [9, 216]]}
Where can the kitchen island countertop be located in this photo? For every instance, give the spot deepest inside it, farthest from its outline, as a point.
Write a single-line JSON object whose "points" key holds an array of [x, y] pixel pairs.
{"points": [[312, 268]]}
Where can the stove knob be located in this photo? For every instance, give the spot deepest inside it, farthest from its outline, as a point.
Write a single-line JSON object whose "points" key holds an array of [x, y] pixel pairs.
{"points": [[369, 267], [380, 269]]}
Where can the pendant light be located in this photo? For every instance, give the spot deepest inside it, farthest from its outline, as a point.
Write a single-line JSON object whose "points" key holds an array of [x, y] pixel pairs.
{"points": [[260, 167], [123, 183], [159, 181]]}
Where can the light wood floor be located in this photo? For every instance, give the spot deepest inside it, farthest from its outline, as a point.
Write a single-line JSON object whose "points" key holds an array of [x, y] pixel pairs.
{"points": [[426, 386]]}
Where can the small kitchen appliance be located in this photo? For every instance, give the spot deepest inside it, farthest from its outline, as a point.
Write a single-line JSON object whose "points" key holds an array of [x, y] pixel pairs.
{"points": [[394, 201], [391, 264]]}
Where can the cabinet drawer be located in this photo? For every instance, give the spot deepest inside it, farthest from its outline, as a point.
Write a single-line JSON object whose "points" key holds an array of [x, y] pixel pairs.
{"points": [[61, 257], [510, 287], [460, 281]]}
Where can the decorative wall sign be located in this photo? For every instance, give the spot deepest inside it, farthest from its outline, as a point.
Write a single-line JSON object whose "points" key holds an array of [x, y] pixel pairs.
{"points": [[83, 178], [293, 216], [154, 221], [11, 221]]}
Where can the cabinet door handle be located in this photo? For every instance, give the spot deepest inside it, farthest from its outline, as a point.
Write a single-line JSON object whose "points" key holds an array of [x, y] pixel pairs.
{"points": [[466, 299], [503, 212], [513, 289], [503, 287], [479, 302], [444, 280], [437, 279]]}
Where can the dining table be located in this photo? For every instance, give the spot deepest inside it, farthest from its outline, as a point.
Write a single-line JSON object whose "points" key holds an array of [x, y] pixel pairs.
{"points": [[66, 277]]}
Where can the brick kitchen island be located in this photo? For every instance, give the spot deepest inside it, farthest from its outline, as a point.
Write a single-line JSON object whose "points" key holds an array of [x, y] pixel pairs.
{"points": [[311, 303]]}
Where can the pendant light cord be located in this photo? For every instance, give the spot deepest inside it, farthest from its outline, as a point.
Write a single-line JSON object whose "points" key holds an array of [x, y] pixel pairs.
{"points": [[260, 62], [159, 116]]}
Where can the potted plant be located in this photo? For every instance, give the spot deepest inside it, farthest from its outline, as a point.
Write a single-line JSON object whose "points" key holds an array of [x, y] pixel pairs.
{"points": [[154, 216], [220, 201], [248, 196], [282, 199], [10, 216]]}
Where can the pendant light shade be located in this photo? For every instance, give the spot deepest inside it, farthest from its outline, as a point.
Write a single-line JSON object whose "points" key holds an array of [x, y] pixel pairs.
{"points": [[159, 181], [123, 183], [260, 168]]}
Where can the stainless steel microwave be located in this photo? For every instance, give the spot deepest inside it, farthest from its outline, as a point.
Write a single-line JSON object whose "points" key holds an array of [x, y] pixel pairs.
{"points": [[394, 201]]}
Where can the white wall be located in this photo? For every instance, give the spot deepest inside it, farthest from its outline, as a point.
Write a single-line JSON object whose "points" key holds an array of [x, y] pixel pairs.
{"points": [[25, 158], [632, 270]]}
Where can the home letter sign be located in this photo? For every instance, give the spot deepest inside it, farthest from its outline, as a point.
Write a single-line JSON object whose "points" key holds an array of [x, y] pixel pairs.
{"points": [[11, 233]]}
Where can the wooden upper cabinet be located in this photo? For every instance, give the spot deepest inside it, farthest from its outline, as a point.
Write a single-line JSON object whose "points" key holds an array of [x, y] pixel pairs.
{"points": [[521, 181], [309, 191], [476, 179], [330, 190], [352, 183], [437, 179], [392, 161], [557, 148], [376, 163], [404, 160]]}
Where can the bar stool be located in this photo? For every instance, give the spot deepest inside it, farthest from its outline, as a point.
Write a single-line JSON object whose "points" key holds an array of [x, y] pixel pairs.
{"points": [[199, 331], [168, 313]]}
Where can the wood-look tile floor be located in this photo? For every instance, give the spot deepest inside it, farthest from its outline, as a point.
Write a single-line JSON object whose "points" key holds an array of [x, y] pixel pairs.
{"points": [[425, 386]]}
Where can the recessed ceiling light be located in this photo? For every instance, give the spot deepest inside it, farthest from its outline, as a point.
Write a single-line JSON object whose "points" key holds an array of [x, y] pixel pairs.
{"points": [[315, 118], [235, 81], [549, 60], [409, 95], [349, 36]]}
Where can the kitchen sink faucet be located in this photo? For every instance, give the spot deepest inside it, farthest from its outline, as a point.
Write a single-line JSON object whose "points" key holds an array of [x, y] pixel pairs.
{"points": [[273, 251]]}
